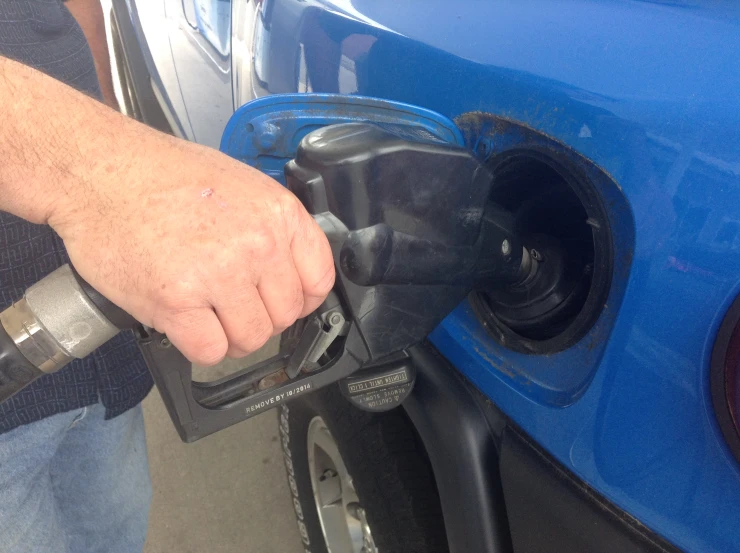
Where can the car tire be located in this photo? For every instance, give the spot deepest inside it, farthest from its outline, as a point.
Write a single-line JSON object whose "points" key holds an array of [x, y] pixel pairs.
{"points": [[385, 465]]}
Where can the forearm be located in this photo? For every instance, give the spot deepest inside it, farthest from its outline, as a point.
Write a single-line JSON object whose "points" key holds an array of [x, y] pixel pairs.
{"points": [[89, 16], [211, 252], [57, 144]]}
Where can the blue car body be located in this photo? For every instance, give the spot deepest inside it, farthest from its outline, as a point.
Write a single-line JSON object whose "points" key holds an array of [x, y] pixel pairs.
{"points": [[647, 92]]}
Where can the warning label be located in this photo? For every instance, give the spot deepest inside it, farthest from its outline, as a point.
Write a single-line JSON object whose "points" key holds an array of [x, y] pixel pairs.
{"points": [[391, 379]]}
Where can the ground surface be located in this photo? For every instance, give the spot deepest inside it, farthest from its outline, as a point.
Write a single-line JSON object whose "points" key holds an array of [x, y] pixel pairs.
{"points": [[226, 493]]}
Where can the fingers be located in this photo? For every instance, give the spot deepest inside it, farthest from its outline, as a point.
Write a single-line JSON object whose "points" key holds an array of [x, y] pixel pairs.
{"points": [[246, 323], [313, 262], [199, 336], [273, 268], [281, 293], [280, 298]]}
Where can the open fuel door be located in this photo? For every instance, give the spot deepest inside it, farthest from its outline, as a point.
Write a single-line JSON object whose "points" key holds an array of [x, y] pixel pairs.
{"points": [[266, 132], [405, 209]]}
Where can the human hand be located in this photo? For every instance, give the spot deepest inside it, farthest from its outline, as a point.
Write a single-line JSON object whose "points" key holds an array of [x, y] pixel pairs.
{"points": [[195, 244]]}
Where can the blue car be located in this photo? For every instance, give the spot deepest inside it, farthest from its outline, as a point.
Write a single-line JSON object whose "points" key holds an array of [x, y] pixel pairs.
{"points": [[598, 415]]}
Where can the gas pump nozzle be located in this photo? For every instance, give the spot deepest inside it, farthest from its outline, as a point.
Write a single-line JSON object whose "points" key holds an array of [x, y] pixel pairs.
{"points": [[412, 233]]}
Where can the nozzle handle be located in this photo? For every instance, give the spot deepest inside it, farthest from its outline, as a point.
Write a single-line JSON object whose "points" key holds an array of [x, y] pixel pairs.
{"points": [[110, 310]]}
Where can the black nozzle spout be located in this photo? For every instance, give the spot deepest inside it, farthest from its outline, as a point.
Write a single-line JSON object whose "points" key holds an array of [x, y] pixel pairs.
{"points": [[379, 255]]}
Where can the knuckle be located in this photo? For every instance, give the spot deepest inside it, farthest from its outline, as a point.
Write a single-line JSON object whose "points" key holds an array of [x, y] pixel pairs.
{"points": [[256, 338], [323, 285], [210, 354], [293, 310], [195, 335], [262, 243], [208, 350], [173, 293], [290, 207]]}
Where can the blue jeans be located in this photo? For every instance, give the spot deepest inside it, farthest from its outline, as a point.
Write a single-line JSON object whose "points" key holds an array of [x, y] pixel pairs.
{"points": [[75, 483]]}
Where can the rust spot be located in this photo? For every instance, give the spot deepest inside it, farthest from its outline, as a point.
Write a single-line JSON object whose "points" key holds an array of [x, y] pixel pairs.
{"points": [[495, 364], [273, 380], [477, 124]]}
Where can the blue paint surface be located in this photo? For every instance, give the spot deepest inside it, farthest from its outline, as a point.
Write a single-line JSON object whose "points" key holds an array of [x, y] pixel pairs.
{"points": [[650, 93]]}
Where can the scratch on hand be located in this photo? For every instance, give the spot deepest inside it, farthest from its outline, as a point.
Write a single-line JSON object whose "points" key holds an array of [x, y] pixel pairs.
{"points": [[208, 192]]}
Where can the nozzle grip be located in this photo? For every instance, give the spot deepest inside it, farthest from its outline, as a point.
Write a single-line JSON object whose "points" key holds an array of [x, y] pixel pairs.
{"points": [[110, 310], [52, 324]]}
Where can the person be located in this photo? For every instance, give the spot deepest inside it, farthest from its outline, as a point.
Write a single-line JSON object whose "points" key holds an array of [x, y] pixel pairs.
{"points": [[197, 245]]}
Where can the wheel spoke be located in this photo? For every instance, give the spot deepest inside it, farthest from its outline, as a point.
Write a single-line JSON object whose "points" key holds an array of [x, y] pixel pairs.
{"points": [[330, 489], [341, 516], [324, 441], [334, 524]]}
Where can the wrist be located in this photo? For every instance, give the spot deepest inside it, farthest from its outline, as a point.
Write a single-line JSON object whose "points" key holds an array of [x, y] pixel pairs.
{"points": [[101, 179]]}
